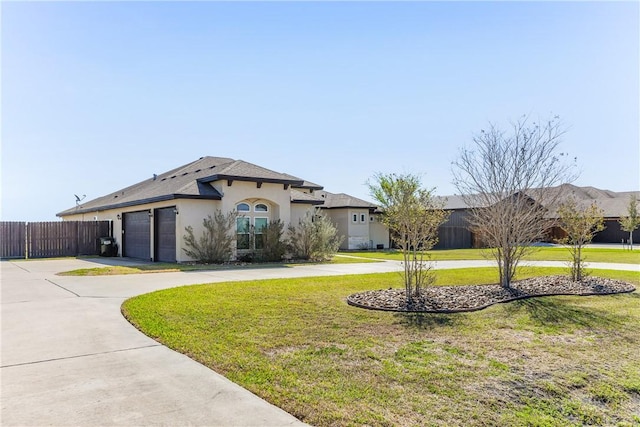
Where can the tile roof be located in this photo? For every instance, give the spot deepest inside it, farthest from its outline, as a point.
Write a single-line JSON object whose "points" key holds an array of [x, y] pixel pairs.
{"points": [[187, 181]]}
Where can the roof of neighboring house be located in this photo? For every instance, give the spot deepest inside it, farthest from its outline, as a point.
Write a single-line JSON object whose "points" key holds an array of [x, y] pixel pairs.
{"points": [[190, 181], [614, 204], [452, 202], [341, 200]]}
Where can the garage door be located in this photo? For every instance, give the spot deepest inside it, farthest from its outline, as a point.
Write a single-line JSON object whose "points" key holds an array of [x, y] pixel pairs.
{"points": [[137, 235], [165, 234]]}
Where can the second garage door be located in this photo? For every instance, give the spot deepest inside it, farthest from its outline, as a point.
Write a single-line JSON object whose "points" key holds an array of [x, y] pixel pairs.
{"points": [[137, 235], [165, 235]]}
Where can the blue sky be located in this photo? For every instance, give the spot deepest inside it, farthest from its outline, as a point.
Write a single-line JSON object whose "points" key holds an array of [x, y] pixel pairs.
{"points": [[97, 96]]}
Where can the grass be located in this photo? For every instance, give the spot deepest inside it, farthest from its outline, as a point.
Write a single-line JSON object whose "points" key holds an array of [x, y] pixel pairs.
{"points": [[538, 254], [174, 267], [545, 361]]}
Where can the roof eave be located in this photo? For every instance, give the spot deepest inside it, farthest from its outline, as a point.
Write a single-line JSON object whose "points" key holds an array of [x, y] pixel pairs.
{"points": [[137, 203], [309, 187], [308, 202], [350, 207]]}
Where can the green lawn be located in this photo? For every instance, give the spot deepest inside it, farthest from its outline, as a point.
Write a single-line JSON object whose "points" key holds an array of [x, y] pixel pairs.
{"points": [[161, 267], [549, 361], [538, 254]]}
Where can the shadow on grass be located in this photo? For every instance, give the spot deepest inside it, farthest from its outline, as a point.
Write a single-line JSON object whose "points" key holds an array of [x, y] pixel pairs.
{"points": [[425, 320], [549, 311]]}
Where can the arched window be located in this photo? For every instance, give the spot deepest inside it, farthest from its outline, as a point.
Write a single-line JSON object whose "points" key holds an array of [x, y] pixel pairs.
{"points": [[261, 207], [243, 207]]}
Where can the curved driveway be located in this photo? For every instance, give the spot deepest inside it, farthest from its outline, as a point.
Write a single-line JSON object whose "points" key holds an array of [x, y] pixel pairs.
{"points": [[68, 357]]}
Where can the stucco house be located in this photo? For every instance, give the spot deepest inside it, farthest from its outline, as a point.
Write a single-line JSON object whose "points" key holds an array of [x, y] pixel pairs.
{"points": [[356, 219], [149, 218]]}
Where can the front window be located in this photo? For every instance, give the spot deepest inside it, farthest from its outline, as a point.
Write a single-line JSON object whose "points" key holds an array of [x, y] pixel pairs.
{"points": [[243, 207], [242, 232], [258, 226]]}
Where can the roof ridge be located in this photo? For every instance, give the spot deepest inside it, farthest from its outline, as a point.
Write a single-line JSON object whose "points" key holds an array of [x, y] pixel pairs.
{"points": [[229, 165], [190, 167]]}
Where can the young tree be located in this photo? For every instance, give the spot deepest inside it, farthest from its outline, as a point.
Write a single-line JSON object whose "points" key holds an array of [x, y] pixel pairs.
{"points": [[580, 225], [413, 217], [216, 243], [506, 180], [632, 220], [315, 238]]}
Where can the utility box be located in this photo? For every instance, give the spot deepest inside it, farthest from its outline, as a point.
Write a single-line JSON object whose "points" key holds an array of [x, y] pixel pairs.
{"points": [[108, 246]]}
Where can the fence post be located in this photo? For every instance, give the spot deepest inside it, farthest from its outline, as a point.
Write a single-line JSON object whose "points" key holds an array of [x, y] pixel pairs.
{"points": [[26, 240]]}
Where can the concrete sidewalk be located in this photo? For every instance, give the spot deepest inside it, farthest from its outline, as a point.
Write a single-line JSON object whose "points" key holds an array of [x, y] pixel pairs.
{"points": [[70, 358]]}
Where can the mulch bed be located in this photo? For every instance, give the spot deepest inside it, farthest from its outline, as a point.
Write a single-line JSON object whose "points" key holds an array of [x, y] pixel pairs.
{"points": [[454, 299]]}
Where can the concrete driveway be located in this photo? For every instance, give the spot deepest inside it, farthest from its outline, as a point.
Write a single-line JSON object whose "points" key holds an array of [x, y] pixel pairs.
{"points": [[68, 357]]}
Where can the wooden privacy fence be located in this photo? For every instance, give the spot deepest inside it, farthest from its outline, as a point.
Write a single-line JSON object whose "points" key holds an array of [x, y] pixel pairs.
{"points": [[51, 239], [13, 237]]}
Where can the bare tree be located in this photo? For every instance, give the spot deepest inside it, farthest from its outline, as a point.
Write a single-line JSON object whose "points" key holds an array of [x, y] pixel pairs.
{"points": [[413, 217], [632, 220], [580, 224], [506, 178]]}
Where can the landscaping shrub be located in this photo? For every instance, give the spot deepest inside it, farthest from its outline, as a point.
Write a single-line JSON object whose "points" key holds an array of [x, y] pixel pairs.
{"points": [[216, 243], [315, 238], [273, 246]]}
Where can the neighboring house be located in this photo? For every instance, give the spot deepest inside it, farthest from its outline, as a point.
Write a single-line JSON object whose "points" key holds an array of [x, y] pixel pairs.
{"points": [[614, 206], [357, 220], [455, 233], [149, 218]]}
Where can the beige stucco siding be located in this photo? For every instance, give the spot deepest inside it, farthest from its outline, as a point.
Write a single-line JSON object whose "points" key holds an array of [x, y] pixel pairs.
{"points": [[192, 212], [299, 211], [378, 232], [339, 217], [277, 197], [359, 229]]}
